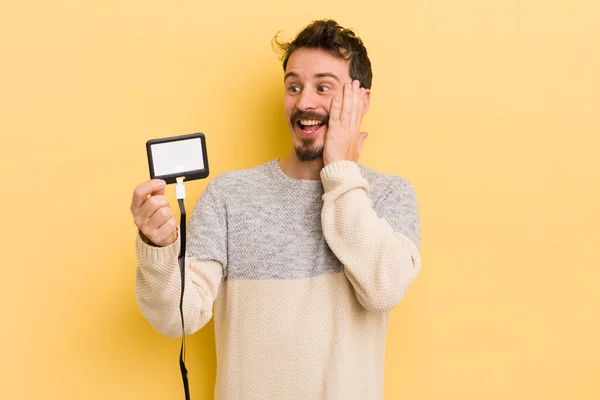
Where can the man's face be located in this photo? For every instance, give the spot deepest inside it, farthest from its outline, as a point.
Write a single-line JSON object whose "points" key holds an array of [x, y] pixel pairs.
{"points": [[312, 78]]}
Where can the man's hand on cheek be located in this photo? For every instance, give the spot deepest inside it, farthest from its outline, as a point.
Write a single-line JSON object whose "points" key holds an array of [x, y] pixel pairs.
{"points": [[343, 139]]}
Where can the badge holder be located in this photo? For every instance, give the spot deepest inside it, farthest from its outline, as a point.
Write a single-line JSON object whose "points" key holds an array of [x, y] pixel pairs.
{"points": [[175, 159]]}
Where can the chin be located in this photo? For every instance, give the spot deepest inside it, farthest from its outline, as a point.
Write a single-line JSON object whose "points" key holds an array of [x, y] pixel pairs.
{"points": [[308, 152]]}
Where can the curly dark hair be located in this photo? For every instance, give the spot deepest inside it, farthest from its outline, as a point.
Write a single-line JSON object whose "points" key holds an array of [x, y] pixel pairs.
{"points": [[329, 36]]}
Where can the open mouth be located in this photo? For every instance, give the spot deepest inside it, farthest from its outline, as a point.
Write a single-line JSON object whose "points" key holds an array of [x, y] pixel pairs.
{"points": [[309, 127]]}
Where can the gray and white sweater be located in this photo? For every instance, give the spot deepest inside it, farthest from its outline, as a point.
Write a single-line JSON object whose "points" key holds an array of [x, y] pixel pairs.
{"points": [[301, 274]]}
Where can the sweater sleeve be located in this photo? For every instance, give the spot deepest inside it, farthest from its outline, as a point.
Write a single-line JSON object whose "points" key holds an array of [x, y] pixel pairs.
{"points": [[380, 260], [158, 280], [158, 288]]}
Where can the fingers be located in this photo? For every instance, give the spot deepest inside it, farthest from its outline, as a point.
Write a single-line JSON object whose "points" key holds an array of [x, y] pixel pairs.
{"points": [[352, 103], [161, 228], [335, 110], [344, 140], [347, 104], [357, 94], [155, 220], [141, 193], [361, 105], [152, 213], [166, 234], [152, 206]]}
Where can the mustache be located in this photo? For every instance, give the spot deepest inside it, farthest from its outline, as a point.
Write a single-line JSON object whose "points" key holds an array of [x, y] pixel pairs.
{"points": [[308, 115]]}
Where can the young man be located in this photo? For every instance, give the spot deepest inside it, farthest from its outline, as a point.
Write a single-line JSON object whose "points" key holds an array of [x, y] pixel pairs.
{"points": [[301, 257]]}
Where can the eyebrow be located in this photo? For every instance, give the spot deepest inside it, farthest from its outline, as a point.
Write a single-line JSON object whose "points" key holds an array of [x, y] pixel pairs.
{"points": [[319, 75]]}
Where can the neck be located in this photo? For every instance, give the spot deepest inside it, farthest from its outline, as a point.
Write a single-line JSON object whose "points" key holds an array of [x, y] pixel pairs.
{"points": [[305, 170]]}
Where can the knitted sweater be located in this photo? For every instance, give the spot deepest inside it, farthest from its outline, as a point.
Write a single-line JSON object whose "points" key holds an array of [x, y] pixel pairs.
{"points": [[302, 275]]}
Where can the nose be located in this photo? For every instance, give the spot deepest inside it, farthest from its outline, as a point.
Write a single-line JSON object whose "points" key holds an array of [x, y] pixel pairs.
{"points": [[307, 100]]}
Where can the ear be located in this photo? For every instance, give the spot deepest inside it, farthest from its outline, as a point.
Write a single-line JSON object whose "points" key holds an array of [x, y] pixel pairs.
{"points": [[367, 102]]}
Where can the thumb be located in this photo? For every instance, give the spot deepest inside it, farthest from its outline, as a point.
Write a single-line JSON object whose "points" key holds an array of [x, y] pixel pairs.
{"points": [[157, 187]]}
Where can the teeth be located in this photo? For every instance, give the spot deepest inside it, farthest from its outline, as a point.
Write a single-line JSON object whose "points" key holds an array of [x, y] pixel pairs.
{"points": [[310, 122]]}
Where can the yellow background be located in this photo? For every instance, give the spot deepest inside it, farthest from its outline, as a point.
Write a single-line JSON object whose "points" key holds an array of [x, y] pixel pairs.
{"points": [[490, 108]]}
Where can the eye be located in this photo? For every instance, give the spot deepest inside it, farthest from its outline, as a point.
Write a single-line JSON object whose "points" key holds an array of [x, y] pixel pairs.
{"points": [[294, 89], [323, 89]]}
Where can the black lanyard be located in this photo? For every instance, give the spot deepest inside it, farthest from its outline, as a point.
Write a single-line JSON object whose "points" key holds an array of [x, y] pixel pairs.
{"points": [[186, 385]]}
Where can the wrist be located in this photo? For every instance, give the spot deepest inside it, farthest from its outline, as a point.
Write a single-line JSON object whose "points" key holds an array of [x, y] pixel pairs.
{"points": [[331, 160], [149, 242], [340, 177], [145, 239]]}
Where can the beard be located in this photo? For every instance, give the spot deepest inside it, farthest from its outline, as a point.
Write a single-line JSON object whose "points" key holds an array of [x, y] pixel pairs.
{"points": [[308, 149]]}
